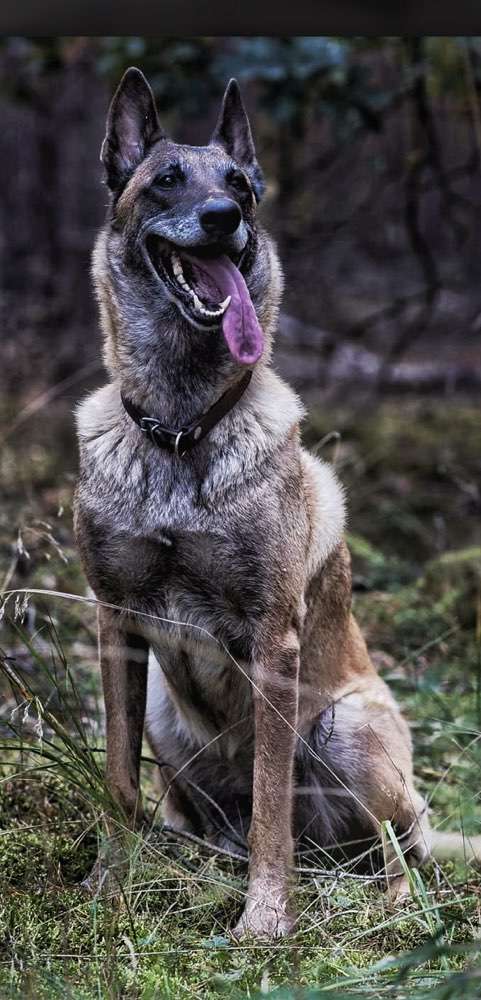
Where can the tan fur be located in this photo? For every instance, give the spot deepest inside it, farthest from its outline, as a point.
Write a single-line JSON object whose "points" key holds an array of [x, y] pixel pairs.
{"points": [[262, 702]]}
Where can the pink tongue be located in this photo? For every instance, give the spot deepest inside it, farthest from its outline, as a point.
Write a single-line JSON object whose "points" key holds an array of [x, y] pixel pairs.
{"points": [[240, 326]]}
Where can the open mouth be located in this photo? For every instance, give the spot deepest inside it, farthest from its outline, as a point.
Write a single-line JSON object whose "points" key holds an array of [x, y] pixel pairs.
{"points": [[199, 298], [210, 291]]}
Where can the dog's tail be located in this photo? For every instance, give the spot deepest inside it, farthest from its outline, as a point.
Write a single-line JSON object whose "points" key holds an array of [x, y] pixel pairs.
{"points": [[447, 846]]}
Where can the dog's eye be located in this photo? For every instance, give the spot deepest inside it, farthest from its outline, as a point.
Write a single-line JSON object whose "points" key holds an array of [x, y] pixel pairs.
{"points": [[238, 181], [165, 180]]}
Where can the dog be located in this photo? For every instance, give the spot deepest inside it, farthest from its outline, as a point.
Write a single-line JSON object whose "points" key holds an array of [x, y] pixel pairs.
{"points": [[213, 540]]}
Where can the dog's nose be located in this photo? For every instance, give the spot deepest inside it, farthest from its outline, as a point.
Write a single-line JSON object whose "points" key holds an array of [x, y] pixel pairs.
{"points": [[220, 216]]}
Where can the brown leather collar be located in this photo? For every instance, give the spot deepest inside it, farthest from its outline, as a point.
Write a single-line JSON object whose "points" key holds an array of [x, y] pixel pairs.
{"points": [[181, 441]]}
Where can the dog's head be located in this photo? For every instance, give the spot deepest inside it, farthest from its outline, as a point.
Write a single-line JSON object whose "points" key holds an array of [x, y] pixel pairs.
{"points": [[183, 219]]}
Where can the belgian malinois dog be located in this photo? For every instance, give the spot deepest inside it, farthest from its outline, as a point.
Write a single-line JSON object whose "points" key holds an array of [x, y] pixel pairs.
{"points": [[213, 540]]}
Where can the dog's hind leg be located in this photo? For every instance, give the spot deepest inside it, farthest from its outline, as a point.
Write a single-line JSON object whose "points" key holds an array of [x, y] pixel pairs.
{"points": [[160, 729], [200, 790], [356, 773]]}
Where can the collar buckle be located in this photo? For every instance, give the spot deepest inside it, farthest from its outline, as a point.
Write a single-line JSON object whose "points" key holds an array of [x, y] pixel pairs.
{"points": [[180, 442], [149, 426], [162, 437]]}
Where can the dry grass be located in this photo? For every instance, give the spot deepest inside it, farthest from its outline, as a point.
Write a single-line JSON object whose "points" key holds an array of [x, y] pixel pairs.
{"points": [[165, 934]]}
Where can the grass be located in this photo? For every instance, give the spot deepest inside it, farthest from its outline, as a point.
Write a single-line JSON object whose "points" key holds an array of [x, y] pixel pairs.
{"points": [[412, 475]]}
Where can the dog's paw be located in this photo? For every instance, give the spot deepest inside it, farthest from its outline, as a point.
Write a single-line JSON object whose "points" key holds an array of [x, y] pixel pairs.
{"points": [[398, 892], [265, 919]]}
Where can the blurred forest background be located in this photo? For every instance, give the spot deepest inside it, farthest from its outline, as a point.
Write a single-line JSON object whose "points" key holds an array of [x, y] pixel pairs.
{"points": [[372, 152]]}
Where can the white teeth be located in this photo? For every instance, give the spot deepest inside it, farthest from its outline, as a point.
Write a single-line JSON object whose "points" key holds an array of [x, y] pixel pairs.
{"points": [[177, 268], [211, 313]]}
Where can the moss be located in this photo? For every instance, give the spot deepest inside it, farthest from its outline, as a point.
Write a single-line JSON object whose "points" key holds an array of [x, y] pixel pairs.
{"points": [[411, 472], [411, 476], [454, 579], [372, 569]]}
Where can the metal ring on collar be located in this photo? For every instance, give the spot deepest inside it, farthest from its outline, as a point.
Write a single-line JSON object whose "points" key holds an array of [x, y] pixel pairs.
{"points": [[176, 445]]}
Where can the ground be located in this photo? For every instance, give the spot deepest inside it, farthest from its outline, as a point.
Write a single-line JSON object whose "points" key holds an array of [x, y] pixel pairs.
{"points": [[412, 473]]}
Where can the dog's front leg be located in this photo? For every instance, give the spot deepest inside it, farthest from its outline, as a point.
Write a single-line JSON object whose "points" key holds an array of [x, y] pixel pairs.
{"points": [[123, 662], [267, 911]]}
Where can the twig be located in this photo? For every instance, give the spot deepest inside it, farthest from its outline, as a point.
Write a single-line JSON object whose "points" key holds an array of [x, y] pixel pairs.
{"points": [[204, 845]]}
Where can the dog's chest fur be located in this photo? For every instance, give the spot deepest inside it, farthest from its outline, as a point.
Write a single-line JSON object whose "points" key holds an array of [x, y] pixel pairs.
{"points": [[201, 548], [198, 551]]}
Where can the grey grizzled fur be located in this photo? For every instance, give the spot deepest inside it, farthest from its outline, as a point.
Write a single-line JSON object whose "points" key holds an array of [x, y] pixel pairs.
{"points": [[262, 707]]}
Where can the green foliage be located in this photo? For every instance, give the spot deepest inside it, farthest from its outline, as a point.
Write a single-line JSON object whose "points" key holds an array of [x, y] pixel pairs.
{"points": [[455, 580], [168, 935], [412, 474], [295, 75], [291, 73], [372, 569], [180, 70]]}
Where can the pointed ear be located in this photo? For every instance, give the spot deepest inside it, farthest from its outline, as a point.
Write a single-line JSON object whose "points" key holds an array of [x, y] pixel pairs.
{"points": [[132, 127], [233, 133]]}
